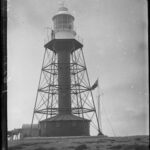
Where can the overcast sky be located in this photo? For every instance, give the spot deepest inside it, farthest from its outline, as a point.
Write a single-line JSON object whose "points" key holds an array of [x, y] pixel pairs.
{"points": [[115, 49]]}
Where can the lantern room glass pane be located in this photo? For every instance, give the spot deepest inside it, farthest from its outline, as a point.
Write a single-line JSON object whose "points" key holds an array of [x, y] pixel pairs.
{"points": [[63, 22]]}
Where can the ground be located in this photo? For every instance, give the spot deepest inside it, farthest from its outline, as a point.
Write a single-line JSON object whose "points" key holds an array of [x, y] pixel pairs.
{"points": [[81, 143]]}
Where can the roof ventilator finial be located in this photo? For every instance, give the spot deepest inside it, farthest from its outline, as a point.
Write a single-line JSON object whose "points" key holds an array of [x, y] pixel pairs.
{"points": [[62, 3]]}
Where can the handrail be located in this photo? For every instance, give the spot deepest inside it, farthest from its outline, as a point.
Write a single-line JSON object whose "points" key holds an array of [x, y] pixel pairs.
{"points": [[78, 38], [51, 32]]}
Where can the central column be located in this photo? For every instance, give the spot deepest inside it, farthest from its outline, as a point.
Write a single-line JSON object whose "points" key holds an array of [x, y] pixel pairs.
{"points": [[64, 79]]}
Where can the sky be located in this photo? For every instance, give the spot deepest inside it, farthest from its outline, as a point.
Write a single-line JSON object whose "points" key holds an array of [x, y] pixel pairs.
{"points": [[115, 37]]}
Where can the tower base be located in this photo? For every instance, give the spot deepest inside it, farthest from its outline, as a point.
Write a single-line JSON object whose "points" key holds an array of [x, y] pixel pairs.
{"points": [[64, 125]]}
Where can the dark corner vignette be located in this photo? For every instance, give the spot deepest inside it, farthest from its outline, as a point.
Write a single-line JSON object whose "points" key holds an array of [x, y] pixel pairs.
{"points": [[3, 73]]}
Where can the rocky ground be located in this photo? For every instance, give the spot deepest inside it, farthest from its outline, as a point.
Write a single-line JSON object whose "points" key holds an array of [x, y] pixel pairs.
{"points": [[81, 143]]}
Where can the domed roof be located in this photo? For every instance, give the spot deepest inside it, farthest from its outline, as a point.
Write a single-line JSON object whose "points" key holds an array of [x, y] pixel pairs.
{"points": [[62, 10]]}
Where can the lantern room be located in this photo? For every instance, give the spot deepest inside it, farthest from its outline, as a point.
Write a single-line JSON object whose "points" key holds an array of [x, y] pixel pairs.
{"points": [[63, 24]]}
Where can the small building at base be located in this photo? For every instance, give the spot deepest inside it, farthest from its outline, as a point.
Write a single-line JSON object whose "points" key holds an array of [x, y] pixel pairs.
{"points": [[26, 130]]}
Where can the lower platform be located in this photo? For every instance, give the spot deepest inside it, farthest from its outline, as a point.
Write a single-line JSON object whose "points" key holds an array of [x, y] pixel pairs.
{"points": [[64, 125]]}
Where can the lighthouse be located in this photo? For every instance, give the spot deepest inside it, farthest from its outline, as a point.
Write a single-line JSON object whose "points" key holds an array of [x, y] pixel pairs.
{"points": [[64, 99]]}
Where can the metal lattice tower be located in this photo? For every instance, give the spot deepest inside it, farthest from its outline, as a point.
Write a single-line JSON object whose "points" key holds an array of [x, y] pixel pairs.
{"points": [[53, 87]]}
